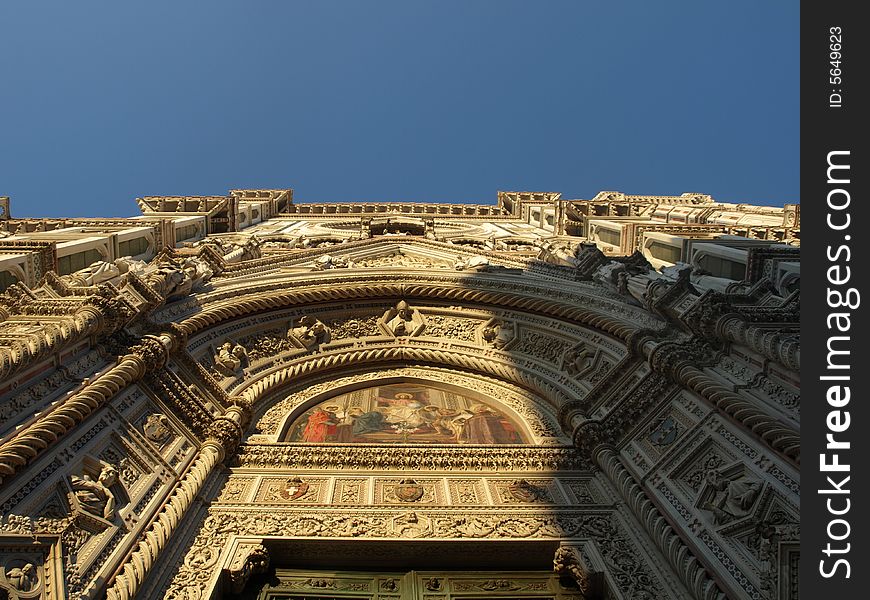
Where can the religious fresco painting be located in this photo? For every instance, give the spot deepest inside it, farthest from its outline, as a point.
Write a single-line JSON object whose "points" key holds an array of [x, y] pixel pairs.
{"points": [[405, 413]]}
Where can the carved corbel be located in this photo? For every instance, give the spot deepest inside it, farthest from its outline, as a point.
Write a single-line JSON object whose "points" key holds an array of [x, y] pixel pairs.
{"points": [[249, 559], [569, 562]]}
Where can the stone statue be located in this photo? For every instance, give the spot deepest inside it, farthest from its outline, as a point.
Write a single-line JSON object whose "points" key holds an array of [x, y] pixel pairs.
{"points": [[94, 274], [731, 499], [475, 263], [578, 359], [327, 261], [130, 265], [403, 320], [96, 497], [310, 332], [498, 334], [607, 274], [230, 357]]}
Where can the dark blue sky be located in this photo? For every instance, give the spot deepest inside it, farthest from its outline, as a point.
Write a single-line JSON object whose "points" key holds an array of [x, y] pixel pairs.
{"points": [[352, 101]]}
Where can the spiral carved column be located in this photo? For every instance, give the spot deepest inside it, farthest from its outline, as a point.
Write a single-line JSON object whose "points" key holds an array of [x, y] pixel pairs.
{"points": [[33, 439], [30, 348], [224, 437]]}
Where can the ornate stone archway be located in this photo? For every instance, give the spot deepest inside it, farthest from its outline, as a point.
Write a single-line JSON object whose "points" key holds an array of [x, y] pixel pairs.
{"points": [[661, 456]]}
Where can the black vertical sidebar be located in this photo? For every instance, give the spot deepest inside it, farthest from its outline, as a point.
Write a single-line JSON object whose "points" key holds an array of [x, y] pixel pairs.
{"points": [[835, 297]]}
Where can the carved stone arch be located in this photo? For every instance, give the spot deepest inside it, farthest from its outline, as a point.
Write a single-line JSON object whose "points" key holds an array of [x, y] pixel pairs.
{"points": [[284, 405], [611, 316], [310, 368]]}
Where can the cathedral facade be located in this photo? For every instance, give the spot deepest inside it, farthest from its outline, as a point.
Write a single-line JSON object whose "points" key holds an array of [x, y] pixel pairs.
{"points": [[243, 396]]}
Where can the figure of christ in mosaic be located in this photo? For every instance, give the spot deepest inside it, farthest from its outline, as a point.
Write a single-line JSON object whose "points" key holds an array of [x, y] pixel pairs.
{"points": [[405, 413]]}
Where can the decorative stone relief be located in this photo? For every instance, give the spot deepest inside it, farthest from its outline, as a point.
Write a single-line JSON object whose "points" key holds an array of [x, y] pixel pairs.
{"points": [[93, 497], [435, 458], [309, 332], [696, 477], [290, 490], [408, 491], [402, 321], [157, 428], [350, 491], [20, 578], [580, 360], [327, 262], [635, 578], [230, 358], [400, 259], [524, 491], [545, 347], [449, 327], [728, 494], [583, 491], [498, 333], [467, 491], [235, 489], [354, 328], [266, 343]]}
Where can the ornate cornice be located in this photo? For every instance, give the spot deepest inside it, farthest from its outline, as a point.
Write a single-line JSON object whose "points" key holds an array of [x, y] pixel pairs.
{"points": [[410, 458], [294, 374]]}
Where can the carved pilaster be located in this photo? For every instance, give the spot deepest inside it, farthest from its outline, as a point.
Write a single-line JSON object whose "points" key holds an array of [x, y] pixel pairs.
{"points": [[691, 571], [223, 439], [680, 363]]}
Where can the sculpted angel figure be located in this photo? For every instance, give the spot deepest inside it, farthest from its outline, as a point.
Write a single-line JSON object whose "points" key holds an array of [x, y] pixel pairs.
{"points": [[310, 331], [498, 334]]}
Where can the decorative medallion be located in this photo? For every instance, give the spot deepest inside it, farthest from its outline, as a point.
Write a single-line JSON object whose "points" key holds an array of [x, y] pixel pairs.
{"points": [[524, 491], [408, 490], [664, 433], [156, 428], [294, 489]]}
